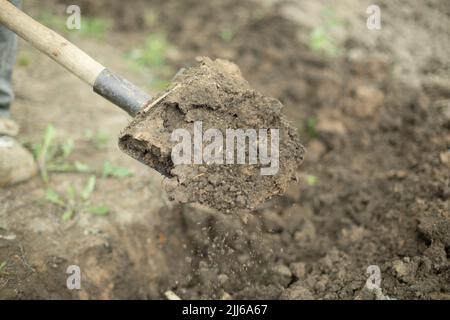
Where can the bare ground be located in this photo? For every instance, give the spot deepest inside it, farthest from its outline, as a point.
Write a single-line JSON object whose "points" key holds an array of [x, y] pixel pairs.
{"points": [[374, 188]]}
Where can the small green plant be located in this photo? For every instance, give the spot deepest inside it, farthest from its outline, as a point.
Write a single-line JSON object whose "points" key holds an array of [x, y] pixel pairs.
{"points": [[94, 27], [23, 60], [76, 166], [311, 124], [52, 155], [114, 171], [321, 40], [67, 147], [98, 139], [154, 52], [91, 27], [152, 57], [311, 180], [45, 151], [3, 266], [98, 211], [75, 201], [160, 84], [54, 197], [227, 34]]}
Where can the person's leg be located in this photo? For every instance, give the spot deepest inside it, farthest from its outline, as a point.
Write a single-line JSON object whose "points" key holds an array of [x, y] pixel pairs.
{"points": [[8, 45], [16, 162]]}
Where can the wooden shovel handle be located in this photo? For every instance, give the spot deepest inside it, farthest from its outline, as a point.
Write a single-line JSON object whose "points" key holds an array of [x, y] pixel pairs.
{"points": [[49, 42]]}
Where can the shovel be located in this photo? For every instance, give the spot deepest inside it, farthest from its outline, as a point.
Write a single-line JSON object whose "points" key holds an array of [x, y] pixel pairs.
{"points": [[211, 95]]}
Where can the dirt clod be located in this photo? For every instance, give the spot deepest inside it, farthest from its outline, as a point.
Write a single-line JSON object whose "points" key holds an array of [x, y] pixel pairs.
{"points": [[297, 292], [214, 94]]}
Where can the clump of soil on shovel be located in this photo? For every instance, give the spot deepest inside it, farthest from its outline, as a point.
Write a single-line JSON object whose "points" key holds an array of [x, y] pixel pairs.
{"points": [[215, 95]]}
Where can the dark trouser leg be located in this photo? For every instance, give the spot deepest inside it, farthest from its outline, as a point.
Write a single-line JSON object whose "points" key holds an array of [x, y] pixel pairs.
{"points": [[8, 45]]}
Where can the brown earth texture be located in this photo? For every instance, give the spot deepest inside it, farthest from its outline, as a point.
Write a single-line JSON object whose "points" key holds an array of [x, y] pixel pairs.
{"points": [[371, 107]]}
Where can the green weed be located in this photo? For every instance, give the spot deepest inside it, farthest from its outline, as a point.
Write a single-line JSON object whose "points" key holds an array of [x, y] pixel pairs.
{"points": [[227, 34], [23, 61], [311, 124], [45, 151], [98, 211], [94, 27], [90, 27], [114, 171], [154, 52], [89, 188], [311, 180], [152, 57], [321, 40], [52, 155], [3, 266], [74, 201]]}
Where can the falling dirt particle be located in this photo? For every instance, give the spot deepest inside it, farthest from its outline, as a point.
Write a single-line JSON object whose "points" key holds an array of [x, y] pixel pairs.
{"points": [[226, 296], [223, 278], [397, 174], [215, 93], [142, 136], [297, 291], [435, 225], [170, 295], [316, 149], [298, 269], [282, 274], [352, 235], [405, 269], [328, 123], [365, 102], [307, 233], [272, 221]]}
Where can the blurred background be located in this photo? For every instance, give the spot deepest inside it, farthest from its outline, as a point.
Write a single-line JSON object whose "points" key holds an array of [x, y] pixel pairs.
{"points": [[372, 108]]}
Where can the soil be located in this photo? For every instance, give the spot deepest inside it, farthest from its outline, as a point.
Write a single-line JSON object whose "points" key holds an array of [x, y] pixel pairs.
{"points": [[215, 95], [374, 187]]}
